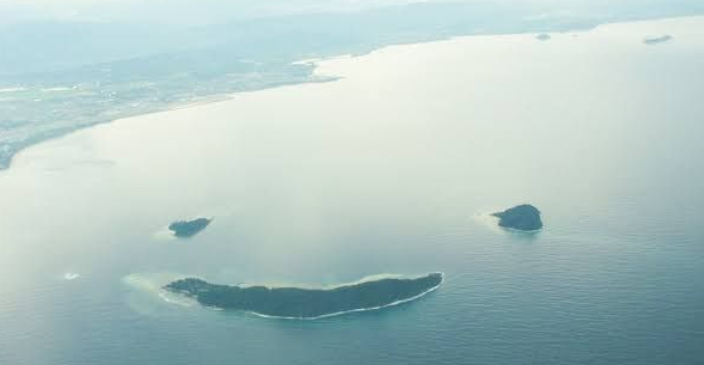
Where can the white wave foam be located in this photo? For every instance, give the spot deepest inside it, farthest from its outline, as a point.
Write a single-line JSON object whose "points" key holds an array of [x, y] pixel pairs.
{"points": [[12, 89], [520, 231], [178, 300], [71, 276], [164, 234], [488, 219], [153, 284], [54, 89], [492, 222]]}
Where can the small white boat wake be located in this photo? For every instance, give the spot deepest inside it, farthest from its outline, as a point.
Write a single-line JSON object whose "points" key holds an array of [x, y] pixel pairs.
{"points": [[70, 276]]}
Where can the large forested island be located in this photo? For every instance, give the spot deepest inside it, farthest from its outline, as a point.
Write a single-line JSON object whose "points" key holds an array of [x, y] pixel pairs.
{"points": [[304, 303], [185, 229], [523, 218]]}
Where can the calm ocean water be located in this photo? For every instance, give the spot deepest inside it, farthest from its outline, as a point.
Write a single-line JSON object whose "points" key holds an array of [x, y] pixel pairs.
{"points": [[390, 170]]}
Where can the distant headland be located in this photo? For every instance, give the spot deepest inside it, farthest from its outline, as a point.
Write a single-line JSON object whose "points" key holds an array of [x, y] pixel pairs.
{"points": [[657, 40], [523, 218], [185, 229], [305, 303]]}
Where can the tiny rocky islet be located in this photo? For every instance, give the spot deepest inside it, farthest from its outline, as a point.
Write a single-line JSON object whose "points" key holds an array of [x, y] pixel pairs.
{"points": [[189, 228], [523, 217]]}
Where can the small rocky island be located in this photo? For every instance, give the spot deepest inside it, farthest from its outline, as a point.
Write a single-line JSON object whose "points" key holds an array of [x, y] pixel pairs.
{"points": [[185, 229], [543, 37], [305, 303], [657, 40], [523, 218]]}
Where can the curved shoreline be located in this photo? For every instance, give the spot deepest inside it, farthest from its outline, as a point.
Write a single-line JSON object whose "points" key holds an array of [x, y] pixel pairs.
{"points": [[11, 150], [311, 303], [392, 304]]}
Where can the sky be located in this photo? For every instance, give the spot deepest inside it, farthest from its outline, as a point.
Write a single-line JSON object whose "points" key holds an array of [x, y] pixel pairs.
{"points": [[199, 11], [191, 11], [203, 12]]}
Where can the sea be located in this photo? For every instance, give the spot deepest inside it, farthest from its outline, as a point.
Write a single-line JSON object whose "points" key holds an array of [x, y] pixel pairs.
{"points": [[394, 168]]}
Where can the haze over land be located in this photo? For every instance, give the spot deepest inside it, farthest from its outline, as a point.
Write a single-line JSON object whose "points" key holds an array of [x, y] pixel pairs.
{"points": [[73, 64]]}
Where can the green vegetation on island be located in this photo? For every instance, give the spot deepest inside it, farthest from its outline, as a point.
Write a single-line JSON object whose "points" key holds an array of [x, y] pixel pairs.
{"points": [[523, 218], [305, 303], [185, 229]]}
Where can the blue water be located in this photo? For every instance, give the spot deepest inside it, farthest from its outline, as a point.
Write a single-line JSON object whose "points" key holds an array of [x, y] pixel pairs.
{"points": [[397, 180]]}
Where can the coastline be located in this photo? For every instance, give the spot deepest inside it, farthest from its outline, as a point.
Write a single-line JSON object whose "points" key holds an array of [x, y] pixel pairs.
{"points": [[313, 77], [190, 104]]}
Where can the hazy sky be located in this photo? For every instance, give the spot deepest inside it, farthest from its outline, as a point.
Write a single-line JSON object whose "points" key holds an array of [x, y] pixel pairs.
{"points": [[193, 11], [197, 11], [213, 11]]}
